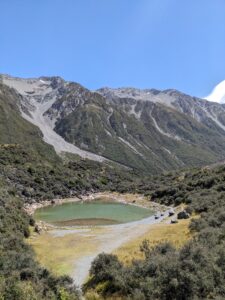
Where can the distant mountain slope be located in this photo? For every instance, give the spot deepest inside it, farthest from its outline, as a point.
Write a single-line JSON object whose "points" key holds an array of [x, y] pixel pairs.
{"points": [[37, 96], [189, 129], [149, 130], [14, 129]]}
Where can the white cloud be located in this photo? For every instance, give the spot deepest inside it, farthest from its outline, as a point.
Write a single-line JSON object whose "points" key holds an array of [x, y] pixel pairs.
{"points": [[218, 93]]}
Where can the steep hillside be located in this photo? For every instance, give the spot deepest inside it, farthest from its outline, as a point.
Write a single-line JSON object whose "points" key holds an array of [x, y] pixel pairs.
{"points": [[14, 129]]}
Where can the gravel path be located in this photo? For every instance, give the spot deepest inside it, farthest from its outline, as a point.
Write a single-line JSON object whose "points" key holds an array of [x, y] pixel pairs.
{"points": [[111, 239]]}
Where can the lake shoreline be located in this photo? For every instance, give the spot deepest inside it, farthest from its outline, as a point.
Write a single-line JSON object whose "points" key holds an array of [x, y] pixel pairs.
{"points": [[131, 199]]}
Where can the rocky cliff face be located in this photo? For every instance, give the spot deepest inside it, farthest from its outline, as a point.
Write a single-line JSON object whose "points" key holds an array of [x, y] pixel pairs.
{"points": [[148, 129]]}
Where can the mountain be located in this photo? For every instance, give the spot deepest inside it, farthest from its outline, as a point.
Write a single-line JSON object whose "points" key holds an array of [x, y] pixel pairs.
{"points": [[148, 130]]}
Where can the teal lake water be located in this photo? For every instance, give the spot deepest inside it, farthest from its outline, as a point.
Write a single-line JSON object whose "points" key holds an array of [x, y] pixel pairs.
{"points": [[91, 213]]}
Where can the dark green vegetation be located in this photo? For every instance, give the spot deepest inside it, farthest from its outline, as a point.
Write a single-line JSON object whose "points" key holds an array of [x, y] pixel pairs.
{"points": [[94, 212], [21, 278], [31, 177], [197, 270]]}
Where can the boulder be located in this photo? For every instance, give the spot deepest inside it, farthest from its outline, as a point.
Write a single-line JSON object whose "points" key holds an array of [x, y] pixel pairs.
{"points": [[171, 212], [37, 229], [174, 221], [183, 215]]}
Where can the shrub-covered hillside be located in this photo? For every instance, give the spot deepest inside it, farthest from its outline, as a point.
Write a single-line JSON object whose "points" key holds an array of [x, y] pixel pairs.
{"points": [[33, 178], [21, 277], [197, 270], [26, 177]]}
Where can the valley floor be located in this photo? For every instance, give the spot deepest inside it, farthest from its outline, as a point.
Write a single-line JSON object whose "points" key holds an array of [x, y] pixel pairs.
{"points": [[71, 250]]}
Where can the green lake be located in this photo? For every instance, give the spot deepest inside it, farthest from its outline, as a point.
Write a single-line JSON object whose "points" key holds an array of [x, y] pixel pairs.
{"points": [[91, 213]]}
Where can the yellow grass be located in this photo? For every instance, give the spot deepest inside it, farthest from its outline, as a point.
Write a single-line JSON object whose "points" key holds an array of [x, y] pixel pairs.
{"points": [[177, 234], [58, 254]]}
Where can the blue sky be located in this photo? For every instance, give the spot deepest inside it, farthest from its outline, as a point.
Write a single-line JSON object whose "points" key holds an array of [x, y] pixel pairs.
{"points": [[142, 43]]}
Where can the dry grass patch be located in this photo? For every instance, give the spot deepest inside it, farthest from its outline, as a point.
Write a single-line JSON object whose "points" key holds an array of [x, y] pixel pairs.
{"points": [[177, 234]]}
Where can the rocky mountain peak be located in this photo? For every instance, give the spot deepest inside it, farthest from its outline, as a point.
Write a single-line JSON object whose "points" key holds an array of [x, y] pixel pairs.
{"points": [[128, 92]]}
